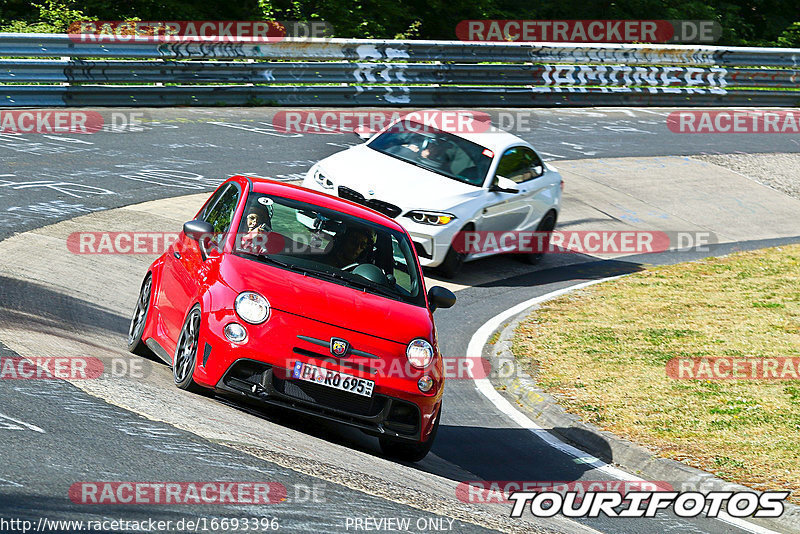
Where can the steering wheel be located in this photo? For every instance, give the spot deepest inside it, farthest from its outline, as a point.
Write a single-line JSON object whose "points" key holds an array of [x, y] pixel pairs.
{"points": [[371, 272]]}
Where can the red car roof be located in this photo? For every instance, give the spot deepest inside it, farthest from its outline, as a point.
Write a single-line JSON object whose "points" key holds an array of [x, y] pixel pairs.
{"points": [[295, 192]]}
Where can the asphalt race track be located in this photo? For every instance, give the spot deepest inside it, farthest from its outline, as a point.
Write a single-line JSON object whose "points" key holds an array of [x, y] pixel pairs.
{"points": [[623, 169]]}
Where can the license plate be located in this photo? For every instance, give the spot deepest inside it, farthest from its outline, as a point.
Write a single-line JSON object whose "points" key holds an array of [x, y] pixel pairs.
{"points": [[333, 379]]}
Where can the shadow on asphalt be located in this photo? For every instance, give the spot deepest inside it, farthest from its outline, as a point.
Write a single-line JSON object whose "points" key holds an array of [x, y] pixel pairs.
{"points": [[590, 268], [553, 268], [587, 270], [36, 307], [501, 454], [508, 453]]}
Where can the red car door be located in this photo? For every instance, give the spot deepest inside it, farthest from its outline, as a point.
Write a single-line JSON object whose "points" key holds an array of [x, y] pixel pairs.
{"points": [[186, 265]]}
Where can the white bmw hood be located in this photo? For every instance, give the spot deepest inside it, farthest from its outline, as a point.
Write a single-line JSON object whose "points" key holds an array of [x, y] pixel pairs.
{"points": [[376, 175]]}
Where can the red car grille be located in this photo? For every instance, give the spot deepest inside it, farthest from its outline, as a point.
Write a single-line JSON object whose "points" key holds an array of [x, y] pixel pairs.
{"points": [[329, 398], [257, 380]]}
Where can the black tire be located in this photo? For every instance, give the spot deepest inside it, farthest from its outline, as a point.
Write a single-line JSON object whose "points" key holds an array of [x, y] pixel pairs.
{"points": [[453, 261], [410, 452], [185, 359], [547, 224], [136, 344], [452, 264]]}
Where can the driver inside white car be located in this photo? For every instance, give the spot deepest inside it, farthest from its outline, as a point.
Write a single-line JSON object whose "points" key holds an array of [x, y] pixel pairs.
{"points": [[434, 152]]}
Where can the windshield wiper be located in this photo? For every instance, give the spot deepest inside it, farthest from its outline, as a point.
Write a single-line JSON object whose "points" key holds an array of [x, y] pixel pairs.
{"points": [[378, 289], [269, 259], [356, 283]]}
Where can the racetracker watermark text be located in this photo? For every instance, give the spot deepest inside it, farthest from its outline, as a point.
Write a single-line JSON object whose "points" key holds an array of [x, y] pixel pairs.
{"points": [[498, 491], [752, 121], [469, 242], [370, 121], [121, 242], [49, 121], [160, 242], [71, 368], [590, 31], [728, 368], [148, 493], [200, 31], [60, 122], [580, 242]]}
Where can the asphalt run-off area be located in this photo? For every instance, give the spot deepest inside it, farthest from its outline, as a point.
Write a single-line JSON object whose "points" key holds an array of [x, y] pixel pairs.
{"points": [[624, 170]]}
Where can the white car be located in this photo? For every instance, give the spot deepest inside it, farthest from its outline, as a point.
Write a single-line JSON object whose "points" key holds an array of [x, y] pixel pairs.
{"points": [[437, 184]]}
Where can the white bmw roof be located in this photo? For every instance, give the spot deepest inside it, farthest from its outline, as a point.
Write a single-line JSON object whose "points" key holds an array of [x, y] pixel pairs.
{"points": [[494, 139]]}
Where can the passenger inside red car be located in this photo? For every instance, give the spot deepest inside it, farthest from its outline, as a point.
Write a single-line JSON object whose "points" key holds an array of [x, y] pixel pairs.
{"points": [[257, 233]]}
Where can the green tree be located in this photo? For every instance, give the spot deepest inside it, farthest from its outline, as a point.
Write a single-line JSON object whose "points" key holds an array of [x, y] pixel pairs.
{"points": [[744, 22]]}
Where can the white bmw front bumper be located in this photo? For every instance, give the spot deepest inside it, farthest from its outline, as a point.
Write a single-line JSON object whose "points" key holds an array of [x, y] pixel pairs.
{"points": [[432, 242]]}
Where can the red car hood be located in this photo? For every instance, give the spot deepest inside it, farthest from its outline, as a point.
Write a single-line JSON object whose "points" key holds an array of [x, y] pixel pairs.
{"points": [[328, 302]]}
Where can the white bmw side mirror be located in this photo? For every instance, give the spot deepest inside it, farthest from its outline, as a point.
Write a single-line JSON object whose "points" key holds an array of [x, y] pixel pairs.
{"points": [[504, 185]]}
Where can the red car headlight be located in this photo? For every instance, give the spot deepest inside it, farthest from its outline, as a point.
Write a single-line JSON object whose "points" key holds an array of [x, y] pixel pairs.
{"points": [[252, 307], [419, 353]]}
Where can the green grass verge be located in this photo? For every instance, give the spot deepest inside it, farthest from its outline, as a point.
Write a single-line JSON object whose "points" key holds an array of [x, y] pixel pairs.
{"points": [[602, 353]]}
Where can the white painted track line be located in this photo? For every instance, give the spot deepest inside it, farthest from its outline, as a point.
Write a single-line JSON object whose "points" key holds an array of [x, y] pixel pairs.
{"points": [[475, 350]]}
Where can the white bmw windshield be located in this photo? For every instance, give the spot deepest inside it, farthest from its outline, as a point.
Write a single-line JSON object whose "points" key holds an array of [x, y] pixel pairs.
{"points": [[436, 151]]}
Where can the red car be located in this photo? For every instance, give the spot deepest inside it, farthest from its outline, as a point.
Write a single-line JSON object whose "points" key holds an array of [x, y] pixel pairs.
{"points": [[288, 297]]}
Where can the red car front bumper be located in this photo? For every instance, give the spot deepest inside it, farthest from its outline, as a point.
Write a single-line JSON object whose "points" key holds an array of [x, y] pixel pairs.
{"points": [[259, 369]]}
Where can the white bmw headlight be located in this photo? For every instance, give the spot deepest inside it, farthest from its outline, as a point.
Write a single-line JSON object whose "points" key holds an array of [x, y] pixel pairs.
{"points": [[434, 218], [252, 307], [322, 180], [419, 353]]}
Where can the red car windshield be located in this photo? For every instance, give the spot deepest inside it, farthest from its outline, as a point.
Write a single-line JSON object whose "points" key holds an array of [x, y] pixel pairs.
{"points": [[330, 245]]}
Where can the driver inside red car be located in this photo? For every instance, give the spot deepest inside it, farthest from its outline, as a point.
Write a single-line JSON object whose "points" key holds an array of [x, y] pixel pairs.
{"points": [[351, 246]]}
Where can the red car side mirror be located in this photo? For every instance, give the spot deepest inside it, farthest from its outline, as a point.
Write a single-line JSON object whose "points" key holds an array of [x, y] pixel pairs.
{"points": [[440, 297]]}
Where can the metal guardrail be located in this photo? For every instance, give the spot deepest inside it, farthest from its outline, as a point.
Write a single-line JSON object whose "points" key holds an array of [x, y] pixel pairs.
{"points": [[337, 72], [78, 71]]}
